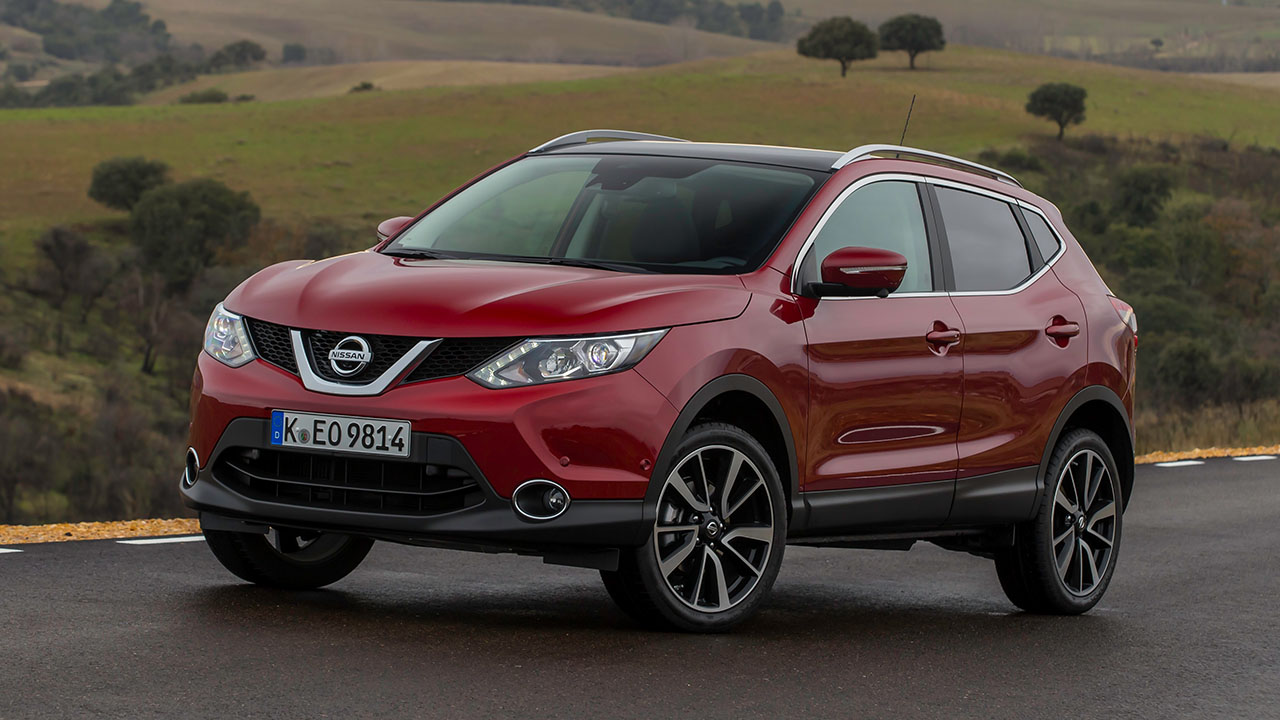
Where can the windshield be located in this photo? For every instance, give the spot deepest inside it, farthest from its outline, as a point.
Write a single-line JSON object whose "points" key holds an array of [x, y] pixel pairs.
{"points": [[620, 212]]}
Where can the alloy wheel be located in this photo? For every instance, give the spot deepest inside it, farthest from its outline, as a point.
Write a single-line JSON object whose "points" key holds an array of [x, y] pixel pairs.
{"points": [[1084, 522], [714, 530]]}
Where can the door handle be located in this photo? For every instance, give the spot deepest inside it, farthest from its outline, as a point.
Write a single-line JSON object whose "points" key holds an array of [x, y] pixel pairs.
{"points": [[943, 337], [1061, 330]]}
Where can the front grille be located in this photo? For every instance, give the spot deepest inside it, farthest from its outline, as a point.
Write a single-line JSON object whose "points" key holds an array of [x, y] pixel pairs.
{"points": [[450, 358], [458, 356], [387, 351], [272, 343], [393, 487]]}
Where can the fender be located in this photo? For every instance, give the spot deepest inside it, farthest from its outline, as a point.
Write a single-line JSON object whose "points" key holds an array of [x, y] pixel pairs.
{"points": [[1088, 394], [696, 404]]}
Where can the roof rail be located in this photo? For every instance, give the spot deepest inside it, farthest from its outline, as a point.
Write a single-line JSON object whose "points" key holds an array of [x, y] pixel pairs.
{"points": [[864, 152], [585, 136]]}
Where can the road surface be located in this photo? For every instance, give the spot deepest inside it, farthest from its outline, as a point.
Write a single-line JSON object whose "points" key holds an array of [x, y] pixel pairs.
{"points": [[1190, 628]]}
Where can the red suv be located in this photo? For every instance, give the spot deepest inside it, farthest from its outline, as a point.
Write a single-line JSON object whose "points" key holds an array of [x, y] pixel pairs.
{"points": [[667, 360]]}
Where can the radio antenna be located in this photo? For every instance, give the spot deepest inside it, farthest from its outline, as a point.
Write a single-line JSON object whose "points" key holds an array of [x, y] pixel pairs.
{"points": [[907, 124]]}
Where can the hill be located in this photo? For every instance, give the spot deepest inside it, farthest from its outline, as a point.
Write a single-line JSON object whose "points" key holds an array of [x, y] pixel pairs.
{"points": [[411, 30], [292, 83], [373, 155], [1187, 28]]}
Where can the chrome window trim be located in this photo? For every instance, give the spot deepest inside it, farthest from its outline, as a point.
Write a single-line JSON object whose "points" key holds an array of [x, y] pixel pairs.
{"points": [[315, 383], [822, 222], [905, 177]]}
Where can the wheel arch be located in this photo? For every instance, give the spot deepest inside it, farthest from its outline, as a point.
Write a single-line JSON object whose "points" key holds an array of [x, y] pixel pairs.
{"points": [[1099, 409], [738, 400]]}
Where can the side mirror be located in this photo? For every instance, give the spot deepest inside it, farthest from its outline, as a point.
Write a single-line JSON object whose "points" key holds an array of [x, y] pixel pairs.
{"points": [[388, 228], [860, 272]]}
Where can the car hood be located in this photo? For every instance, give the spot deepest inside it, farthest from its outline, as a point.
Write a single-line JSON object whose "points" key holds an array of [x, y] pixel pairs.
{"points": [[368, 292]]}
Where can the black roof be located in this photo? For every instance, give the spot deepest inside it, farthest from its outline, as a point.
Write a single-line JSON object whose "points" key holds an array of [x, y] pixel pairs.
{"points": [[802, 158]]}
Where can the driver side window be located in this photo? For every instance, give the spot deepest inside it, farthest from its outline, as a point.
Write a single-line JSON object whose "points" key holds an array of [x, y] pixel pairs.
{"points": [[885, 215]]}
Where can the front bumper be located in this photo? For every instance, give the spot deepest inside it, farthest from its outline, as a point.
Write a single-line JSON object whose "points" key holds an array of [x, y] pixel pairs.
{"points": [[598, 438]]}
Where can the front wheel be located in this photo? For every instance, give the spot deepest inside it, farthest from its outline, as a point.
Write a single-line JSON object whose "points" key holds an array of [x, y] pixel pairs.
{"points": [[717, 539], [288, 559], [1063, 560]]}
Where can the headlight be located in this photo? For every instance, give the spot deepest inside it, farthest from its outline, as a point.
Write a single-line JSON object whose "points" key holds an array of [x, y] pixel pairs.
{"points": [[535, 362], [226, 339]]}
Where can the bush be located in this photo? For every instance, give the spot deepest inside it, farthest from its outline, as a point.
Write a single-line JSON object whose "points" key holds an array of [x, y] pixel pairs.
{"points": [[1140, 194], [243, 98], [294, 53], [120, 182], [19, 72], [181, 228], [13, 349], [364, 86], [209, 95]]}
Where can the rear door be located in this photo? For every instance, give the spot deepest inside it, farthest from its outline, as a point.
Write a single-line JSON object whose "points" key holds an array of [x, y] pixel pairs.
{"points": [[884, 398], [1024, 340]]}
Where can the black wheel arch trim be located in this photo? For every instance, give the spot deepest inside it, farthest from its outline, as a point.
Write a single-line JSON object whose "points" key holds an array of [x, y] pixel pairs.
{"points": [[1090, 394], [706, 394]]}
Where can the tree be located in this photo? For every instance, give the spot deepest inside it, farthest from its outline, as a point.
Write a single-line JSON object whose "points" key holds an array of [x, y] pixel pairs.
{"points": [[180, 229], [913, 34], [120, 182], [294, 53], [842, 39], [237, 55], [69, 267], [1062, 103]]}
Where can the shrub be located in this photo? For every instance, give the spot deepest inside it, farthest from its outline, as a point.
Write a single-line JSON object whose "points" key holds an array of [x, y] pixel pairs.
{"points": [[294, 53], [243, 98], [1140, 194], [120, 182], [364, 86], [181, 228], [209, 95], [13, 349]]}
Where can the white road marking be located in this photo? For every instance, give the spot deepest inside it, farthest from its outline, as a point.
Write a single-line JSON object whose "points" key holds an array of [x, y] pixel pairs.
{"points": [[8, 550], [161, 540], [1252, 458], [1180, 463]]}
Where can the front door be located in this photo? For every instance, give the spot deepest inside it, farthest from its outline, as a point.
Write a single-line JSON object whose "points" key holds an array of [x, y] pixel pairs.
{"points": [[885, 374]]}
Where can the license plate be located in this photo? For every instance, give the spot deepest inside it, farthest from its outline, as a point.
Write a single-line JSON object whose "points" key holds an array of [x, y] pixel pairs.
{"points": [[339, 432]]}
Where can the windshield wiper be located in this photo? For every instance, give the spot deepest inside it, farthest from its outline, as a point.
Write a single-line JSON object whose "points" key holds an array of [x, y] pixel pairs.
{"points": [[418, 253], [596, 264]]}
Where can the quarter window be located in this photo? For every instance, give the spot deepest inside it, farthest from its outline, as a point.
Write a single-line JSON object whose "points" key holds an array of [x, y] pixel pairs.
{"points": [[885, 215], [1045, 239], [988, 250]]}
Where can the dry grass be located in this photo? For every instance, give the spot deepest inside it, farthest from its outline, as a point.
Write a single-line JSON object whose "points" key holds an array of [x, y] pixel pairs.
{"points": [[1213, 452], [1232, 426], [329, 80], [65, 532], [1266, 80], [366, 30]]}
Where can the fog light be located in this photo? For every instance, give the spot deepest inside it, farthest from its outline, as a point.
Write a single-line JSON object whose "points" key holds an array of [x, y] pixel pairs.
{"points": [[540, 500]]}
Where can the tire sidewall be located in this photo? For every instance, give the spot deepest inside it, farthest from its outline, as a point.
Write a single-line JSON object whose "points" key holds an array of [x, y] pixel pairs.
{"points": [[673, 610], [1042, 546]]}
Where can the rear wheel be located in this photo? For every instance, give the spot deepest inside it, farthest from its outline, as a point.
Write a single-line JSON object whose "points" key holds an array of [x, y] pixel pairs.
{"points": [[717, 540], [288, 559], [1063, 561]]}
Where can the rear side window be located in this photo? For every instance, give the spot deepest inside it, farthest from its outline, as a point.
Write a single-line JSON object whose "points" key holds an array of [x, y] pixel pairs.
{"points": [[988, 250], [1045, 239]]}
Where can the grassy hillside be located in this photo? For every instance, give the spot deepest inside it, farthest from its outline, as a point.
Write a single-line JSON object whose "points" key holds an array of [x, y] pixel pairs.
{"points": [[1187, 27], [1266, 80], [408, 30], [368, 156], [328, 80]]}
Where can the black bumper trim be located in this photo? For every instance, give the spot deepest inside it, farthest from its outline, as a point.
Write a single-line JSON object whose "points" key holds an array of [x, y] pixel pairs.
{"points": [[492, 524]]}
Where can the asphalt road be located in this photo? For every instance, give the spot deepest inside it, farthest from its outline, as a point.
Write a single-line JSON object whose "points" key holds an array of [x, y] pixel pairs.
{"points": [[1188, 629]]}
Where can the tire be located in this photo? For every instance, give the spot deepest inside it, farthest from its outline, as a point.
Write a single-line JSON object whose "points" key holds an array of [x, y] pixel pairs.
{"points": [[1033, 572], [708, 564], [288, 559]]}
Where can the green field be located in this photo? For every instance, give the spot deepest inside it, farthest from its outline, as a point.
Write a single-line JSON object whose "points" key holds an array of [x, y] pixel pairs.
{"points": [[296, 83], [368, 30], [364, 157]]}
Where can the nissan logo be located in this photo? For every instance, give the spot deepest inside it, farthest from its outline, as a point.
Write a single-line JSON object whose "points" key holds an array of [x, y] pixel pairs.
{"points": [[350, 356]]}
